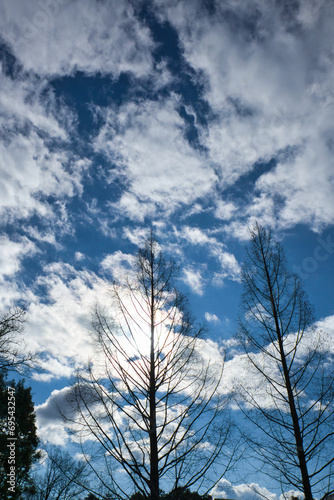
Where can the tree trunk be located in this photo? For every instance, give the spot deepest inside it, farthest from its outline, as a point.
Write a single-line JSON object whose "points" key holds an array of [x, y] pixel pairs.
{"points": [[291, 400], [154, 470]]}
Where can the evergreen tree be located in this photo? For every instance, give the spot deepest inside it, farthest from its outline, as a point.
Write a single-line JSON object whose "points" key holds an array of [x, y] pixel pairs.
{"points": [[18, 438]]}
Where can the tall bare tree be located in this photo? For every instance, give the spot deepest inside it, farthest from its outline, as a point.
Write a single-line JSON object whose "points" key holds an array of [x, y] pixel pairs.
{"points": [[294, 410], [153, 404]]}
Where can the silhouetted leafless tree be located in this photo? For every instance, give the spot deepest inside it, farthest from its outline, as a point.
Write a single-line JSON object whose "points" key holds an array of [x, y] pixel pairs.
{"points": [[293, 407], [152, 405]]}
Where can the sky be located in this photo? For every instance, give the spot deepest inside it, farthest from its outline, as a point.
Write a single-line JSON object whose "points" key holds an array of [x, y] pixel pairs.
{"points": [[196, 118]]}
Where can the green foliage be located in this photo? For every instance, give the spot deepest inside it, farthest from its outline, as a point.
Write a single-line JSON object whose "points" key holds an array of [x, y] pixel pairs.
{"points": [[18, 442]]}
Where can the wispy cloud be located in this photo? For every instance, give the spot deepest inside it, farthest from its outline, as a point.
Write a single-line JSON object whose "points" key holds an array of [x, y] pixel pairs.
{"points": [[230, 268], [193, 278]]}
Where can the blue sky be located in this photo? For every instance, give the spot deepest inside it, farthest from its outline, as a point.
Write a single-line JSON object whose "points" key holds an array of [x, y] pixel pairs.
{"points": [[194, 117]]}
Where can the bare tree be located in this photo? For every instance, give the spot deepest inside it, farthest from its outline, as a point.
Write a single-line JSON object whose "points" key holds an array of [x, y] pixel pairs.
{"points": [[293, 407], [152, 405], [64, 478], [13, 354]]}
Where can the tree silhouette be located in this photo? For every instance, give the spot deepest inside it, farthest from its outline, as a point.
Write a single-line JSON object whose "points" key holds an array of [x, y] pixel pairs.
{"points": [[151, 404], [295, 418]]}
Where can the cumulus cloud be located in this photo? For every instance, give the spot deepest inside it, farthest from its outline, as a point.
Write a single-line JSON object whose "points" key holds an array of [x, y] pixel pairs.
{"points": [[241, 375], [225, 210], [11, 254], [119, 264], [212, 318], [304, 186], [30, 171], [49, 420], [196, 236], [268, 74], [160, 170], [230, 267], [34, 160], [54, 417], [59, 37], [52, 368], [63, 318], [137, 235], [253, 491]]}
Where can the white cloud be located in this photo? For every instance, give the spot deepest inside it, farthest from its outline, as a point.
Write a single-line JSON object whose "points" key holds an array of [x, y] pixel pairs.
{"points": [[49, 417], [224, 489], [136, 235], [326, 326], [52, 368], [196, 236], [79, 256], [268, 74], [305, 186], [11, 254], [63, 318], [64, 36], [60, 413], [24, 102], [29, 169], [193, 278], [161, 170], [225, 210], [40, 236], [119, 264], [240, 373], [212, 318], [212, 353], [230, 268], [252, 491], [241, 377]]}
